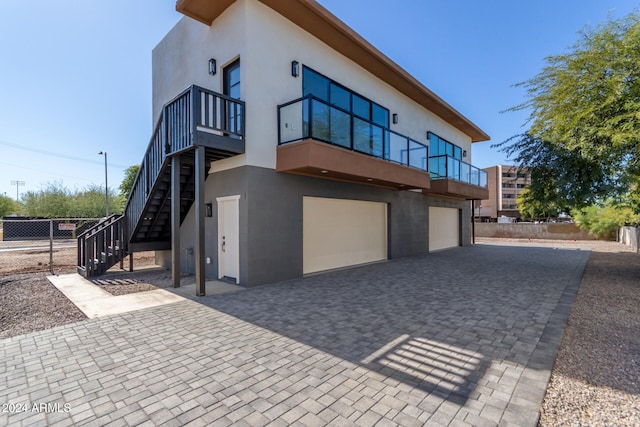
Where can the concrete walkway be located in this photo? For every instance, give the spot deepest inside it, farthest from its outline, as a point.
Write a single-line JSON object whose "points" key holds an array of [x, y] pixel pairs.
{"points": [[94, 301], [462, 337]]}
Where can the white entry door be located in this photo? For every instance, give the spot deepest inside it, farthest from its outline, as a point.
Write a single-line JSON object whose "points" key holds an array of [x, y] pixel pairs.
{"points": [[228, 238]]}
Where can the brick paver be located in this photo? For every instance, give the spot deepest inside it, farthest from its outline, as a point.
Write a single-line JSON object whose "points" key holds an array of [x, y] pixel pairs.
{"points": [[460, 337]]}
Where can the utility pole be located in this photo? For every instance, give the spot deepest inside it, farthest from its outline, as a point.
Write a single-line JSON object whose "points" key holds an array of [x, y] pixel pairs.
{"points": [[106, 186], [17, 184]]}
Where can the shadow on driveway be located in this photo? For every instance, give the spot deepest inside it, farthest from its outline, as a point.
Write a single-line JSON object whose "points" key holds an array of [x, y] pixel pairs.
{"points": [[458, 324]]}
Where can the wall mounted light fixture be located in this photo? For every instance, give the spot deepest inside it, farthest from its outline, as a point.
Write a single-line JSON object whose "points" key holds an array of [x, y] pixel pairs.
{"points": [[295, 68], [395, 119], [208, 210], [464, 153], [212, 67]]}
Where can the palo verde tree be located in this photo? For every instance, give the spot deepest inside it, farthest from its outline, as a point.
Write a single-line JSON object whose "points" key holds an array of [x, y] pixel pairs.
{"points": [[584, 134], [56, 201]]}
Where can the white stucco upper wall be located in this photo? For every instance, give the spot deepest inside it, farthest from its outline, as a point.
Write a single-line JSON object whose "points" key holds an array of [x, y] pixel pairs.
{"points": [[181, 59], [266, 43]]}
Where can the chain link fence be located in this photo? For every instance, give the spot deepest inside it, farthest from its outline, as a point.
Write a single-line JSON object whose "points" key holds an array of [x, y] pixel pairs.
{"points": [[35, 245]]}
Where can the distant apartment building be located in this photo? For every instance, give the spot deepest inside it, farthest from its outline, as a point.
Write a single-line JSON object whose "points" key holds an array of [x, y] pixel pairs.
{"points": [[505, 183]]}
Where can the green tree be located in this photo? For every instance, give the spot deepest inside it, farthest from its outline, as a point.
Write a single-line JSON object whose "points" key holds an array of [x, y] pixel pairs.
{"points": [[604, 221], [129, 179], [56, 201], [52, 201], [562, 176], [7, 206], [90, 202], [538, 204], [584, 115]]}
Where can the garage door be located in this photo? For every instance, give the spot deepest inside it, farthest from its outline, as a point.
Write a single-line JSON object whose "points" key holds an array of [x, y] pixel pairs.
{"points": [[339, 233], [444, 228]]}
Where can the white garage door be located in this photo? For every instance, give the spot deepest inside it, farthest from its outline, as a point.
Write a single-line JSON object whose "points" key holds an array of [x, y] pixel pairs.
{"points": [[444, 228], [339, 233]]}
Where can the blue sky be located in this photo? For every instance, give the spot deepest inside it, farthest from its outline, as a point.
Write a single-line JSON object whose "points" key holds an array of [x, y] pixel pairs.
{"points": [[75, 75]]}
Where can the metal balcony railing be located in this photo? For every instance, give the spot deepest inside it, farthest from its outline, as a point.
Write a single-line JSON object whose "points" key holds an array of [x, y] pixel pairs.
{"points": [[313, 118], [447, 167]]}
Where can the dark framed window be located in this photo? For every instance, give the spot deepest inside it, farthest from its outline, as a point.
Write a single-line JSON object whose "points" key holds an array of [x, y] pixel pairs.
{"points": [[442, 147], [314, 83], [231, 79], [231, 87]]}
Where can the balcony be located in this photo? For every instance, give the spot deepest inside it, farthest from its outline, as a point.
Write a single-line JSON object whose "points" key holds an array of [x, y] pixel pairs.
{"points": [[321, 140], [455, 178]]}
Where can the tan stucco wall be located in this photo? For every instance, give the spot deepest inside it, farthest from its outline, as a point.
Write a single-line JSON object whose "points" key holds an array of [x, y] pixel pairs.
{"points": [[532, 231]]}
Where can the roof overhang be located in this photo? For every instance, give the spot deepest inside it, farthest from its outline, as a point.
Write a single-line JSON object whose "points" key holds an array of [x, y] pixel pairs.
{"points": [[318, 21]]}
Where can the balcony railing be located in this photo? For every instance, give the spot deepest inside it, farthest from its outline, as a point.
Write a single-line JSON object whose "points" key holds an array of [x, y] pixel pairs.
{"points": [[313, 118], [447, 167]]}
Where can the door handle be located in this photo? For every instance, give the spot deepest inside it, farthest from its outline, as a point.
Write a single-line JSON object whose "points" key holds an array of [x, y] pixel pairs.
{"points": [[223, 244]]}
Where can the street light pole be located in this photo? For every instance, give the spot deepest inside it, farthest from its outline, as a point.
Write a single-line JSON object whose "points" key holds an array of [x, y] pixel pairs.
{"points": [[17, 184], [106, 185]]}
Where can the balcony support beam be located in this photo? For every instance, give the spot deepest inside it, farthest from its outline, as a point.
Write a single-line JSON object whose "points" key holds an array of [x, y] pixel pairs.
{"points": [[175, 221], [200, 175]]}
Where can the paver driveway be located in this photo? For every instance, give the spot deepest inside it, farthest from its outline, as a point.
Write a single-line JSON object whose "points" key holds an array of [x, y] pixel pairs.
{"points": [[461, 337]]}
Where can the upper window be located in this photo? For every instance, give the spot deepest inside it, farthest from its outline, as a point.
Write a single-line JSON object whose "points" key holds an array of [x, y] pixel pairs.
{"points": [[442, 147], [314, 83], [231, 80]]}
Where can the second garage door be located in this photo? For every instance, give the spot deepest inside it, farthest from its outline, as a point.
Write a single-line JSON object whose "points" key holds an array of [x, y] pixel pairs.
{"points": [[340, 233], [444, 228]]}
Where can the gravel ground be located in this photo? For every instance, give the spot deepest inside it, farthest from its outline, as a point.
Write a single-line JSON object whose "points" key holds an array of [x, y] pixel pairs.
{"points": [[596, 377], [121, 283], [31, 303]]}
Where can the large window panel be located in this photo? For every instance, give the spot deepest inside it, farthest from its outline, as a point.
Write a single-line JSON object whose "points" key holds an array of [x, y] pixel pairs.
{"points": [[457, 152], [362, 136], [438, 167], [315, 84], [449, 148], [320, 121], [361, 107], [380, 115], [340, 97], [340, 128], [377, 141]]}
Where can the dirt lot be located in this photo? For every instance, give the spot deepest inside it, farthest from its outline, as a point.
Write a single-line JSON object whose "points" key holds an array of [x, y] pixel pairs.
{"points": [[29, 302]]}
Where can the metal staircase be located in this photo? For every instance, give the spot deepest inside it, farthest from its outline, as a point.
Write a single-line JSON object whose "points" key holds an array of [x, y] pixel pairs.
{"points": [[196, 118]]}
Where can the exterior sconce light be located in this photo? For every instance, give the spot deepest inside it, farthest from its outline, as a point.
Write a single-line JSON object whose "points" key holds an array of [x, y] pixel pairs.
{"points": [[428, 136], [295, 68], [464, 153], [395, 119], [212, 67], [208, 210]]}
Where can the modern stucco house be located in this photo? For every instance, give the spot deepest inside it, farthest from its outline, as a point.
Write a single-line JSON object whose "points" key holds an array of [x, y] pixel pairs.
{"points": [[286, 144]]}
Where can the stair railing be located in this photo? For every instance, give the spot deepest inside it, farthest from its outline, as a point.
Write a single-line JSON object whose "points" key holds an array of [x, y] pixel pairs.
{"points": [[102, 246], [194, 110]]}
